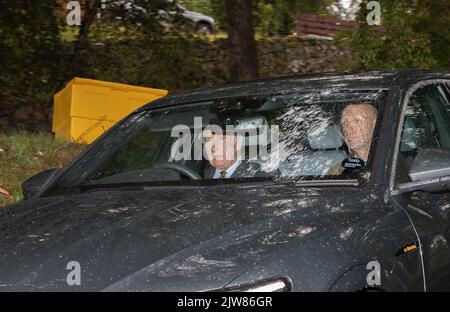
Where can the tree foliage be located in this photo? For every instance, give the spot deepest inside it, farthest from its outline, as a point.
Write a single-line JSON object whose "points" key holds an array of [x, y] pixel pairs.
{"points": [[416, 34], [127, 44], [31, 52], [131, 44], [271, 17]]}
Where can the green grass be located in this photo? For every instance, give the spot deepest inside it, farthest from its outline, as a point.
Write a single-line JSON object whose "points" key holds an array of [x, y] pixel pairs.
{"points": [[24, 154]]}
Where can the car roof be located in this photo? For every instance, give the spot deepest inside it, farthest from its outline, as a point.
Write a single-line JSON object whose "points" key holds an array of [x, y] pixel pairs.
{"points": [[370, 80]]}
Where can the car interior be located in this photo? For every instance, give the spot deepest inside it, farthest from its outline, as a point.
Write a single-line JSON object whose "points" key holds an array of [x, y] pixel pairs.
{"points": [[425, 125], [326, 151]]}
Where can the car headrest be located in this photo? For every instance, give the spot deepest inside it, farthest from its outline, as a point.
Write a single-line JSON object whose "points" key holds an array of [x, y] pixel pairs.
{"points": [[410, 139], [325, 137], [254, 123]]}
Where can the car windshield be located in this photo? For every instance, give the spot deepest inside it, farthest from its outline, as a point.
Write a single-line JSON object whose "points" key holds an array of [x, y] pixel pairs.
{"points": [[312, 135]]}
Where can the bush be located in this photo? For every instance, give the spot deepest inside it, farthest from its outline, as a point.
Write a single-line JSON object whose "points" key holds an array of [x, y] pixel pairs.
{"points": [[410, 38]]}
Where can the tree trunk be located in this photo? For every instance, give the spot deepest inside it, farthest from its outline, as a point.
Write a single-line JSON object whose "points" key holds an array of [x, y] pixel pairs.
{"points": [[91, 8], [242, 54]]}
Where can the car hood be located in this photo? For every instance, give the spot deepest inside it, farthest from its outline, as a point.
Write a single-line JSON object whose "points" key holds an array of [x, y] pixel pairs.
{"points": [[162, 239]]}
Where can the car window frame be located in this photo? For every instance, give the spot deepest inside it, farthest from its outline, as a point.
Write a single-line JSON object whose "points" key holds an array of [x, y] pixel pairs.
{"points": [[393, 188]]}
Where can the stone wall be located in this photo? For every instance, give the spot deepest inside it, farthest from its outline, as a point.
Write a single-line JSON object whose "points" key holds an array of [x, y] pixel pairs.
{"points": [[300, 56], [280, 57]]}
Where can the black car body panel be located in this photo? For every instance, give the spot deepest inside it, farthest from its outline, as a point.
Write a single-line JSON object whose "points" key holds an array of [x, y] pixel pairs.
{"points": [[200, 238], [138, 241]]}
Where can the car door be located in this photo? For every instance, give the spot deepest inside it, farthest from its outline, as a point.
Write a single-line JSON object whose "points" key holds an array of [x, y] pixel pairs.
{"points": [[426, 125]]}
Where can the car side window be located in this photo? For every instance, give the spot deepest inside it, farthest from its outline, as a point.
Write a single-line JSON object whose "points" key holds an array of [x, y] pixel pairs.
{"points": [[426, 123]]}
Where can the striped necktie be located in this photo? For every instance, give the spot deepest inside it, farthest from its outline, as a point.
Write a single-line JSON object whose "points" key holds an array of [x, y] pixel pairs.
{"points": [[223, 174]]}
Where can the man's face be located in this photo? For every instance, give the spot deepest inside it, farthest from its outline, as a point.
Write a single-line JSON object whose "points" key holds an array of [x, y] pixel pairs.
{"points": [[358, 123], [221, 151]]}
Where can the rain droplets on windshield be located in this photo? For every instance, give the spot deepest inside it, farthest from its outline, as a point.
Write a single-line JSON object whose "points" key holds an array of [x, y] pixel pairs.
{"points": [[277, 136]]}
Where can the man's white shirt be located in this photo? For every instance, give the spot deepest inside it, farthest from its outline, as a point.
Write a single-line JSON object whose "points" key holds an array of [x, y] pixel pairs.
{"points": [[229, 171]]}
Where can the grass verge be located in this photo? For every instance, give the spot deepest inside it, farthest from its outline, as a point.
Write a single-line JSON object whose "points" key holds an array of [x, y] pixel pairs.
{"points": [[23, 154]]}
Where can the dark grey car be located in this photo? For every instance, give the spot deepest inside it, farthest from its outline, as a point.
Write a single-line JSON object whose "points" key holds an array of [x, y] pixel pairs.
{"points": [[130, 217]]}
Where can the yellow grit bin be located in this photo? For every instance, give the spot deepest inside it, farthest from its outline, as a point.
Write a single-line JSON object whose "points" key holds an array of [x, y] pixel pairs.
{"points": [[86, 108]]}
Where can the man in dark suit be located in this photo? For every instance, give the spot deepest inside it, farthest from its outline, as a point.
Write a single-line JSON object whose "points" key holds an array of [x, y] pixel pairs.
{"points": [[223, 155], [240, 169]]}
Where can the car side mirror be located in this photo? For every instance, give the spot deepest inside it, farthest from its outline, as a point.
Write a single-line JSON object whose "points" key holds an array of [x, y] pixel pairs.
{"points": [[33, 185], [430, 171]]}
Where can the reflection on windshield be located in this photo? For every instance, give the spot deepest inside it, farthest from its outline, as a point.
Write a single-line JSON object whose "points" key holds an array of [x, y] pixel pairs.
{"points": [[311, 135]]}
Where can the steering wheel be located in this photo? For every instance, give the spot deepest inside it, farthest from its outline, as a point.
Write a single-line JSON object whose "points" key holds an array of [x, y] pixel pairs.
{"points": [[181, 169]]}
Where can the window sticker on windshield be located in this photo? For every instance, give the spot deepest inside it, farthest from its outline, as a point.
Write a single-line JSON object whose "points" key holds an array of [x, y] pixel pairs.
{"points": [[353, 163]]}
